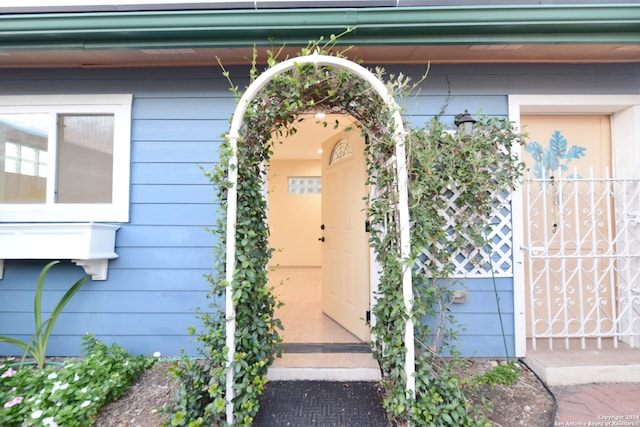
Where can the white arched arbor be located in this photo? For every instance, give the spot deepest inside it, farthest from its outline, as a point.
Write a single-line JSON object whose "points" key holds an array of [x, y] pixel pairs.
{"points": [[403, 202]]}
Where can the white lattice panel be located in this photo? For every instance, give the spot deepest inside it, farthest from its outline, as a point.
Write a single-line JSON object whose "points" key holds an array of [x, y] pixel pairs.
{"points": [[478, 260]]}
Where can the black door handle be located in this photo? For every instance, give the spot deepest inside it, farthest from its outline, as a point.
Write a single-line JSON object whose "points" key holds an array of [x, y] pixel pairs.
{"points": [[321, 239]]}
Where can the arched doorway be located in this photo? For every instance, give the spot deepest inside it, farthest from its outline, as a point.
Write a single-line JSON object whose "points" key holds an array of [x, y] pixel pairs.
{"points": [[316, 201], [391, 131]]}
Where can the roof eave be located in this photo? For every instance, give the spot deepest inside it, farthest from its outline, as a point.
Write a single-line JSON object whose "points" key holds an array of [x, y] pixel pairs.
{"points": [[373, 26]]}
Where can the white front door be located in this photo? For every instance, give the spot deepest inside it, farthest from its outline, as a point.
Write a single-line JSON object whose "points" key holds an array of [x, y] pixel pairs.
{"points": [[345, 249]]}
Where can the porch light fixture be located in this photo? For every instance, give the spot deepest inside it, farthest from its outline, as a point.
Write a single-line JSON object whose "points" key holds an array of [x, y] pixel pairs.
{"points": [[464, 122]]}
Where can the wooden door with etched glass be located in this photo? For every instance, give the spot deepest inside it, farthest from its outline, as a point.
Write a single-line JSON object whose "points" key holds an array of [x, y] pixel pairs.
{"points": [[570, 277]]}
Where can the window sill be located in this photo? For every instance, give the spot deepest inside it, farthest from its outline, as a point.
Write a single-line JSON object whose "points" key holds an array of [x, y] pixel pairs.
{"points": [[89, 245]]}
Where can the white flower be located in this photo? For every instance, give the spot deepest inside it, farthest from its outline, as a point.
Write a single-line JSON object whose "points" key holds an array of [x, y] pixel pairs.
{"points": [[76, 377], [85, 404], [49, 422], [59, 386], [52, 376], [84, 390], [157, 354], [36, 414]]}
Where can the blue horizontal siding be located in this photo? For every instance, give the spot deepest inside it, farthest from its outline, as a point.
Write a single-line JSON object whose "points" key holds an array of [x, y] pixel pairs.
{"points": [[178, 117], [196, 152], [486, 321], [485, 346], [147, 344], [174, 214], [172, 108], [164, 252], [167, 173], [165, 236], [163, 258], [427, 106], [125, 314], [486, 303], [172, 193], [492, 79], [161, 82], [176, 130], [121, 281], [22, 275], [105, 301], [167, 343], [151, 281], [479, 324], [484, 284]]}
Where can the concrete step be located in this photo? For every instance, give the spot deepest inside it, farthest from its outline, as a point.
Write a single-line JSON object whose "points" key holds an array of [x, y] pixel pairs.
{"points": [[325, 367], [562, 367]]}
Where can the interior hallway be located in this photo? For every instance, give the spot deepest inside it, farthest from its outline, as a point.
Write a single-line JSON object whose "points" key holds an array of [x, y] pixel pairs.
{"points": [[304, 323], [302, 317]]}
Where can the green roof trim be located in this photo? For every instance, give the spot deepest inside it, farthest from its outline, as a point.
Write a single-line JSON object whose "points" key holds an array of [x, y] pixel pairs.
{"points": [[374, 26]]}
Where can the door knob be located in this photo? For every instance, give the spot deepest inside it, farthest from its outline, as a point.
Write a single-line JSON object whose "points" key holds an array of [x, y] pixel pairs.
{"points": [[321, 239]]}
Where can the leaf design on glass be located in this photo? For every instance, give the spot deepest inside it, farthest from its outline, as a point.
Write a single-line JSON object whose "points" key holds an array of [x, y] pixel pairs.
{"points": [[555, 158], [536, 150], [558, 145], [576, 152]]}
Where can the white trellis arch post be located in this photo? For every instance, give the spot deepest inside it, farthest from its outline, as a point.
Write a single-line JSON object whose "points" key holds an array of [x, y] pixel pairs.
{"points": [[232, 205]]}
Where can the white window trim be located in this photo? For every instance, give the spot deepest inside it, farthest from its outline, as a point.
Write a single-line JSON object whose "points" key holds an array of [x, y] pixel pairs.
{"points": [[625, 138], [118, 210]]}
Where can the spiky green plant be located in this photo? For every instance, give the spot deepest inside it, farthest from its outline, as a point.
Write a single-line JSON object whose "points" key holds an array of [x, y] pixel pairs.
{"points": [[37, 344]]}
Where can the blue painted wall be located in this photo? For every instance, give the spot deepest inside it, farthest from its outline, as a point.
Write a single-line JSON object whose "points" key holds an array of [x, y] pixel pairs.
{"points": [[179, 114], [148, 301]]}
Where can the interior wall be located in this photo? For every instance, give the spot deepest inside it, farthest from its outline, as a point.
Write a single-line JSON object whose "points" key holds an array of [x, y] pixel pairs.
{"points": [[294, 219]]}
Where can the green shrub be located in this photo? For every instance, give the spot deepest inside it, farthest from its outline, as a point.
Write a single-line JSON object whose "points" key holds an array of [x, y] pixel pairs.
{"points": [[69, 395], [503, 373]]}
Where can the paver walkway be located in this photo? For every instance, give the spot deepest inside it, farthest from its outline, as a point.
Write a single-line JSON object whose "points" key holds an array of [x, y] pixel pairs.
{"points": [[598, 405]]}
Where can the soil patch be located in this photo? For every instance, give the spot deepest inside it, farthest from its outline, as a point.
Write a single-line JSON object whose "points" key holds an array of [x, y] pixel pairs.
{"points": [[526, 403]]}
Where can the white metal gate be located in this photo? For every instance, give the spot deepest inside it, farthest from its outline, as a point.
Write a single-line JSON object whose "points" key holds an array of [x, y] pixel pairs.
{"points": [[582, 255]]}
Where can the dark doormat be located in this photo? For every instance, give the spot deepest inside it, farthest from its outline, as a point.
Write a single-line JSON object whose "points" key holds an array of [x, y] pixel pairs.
{"points": [[321, 403]]}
